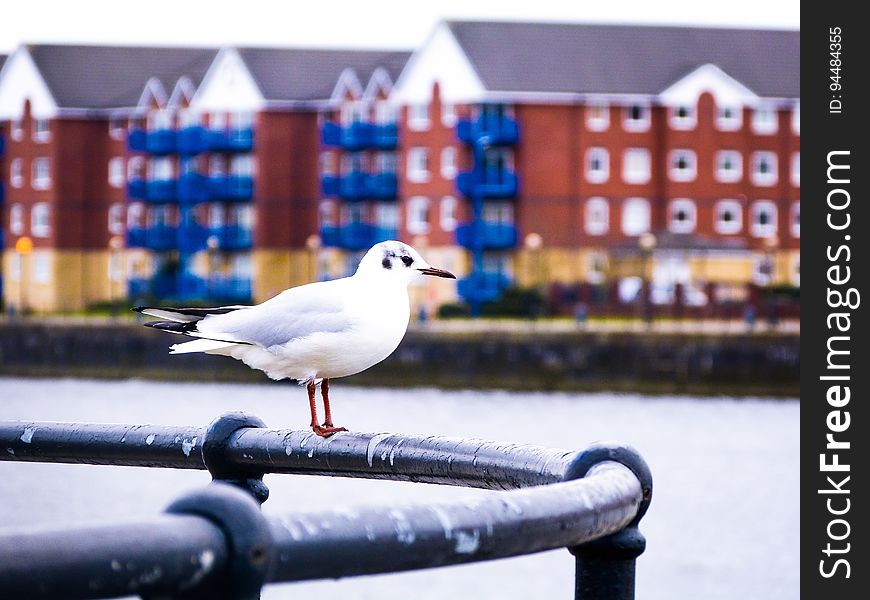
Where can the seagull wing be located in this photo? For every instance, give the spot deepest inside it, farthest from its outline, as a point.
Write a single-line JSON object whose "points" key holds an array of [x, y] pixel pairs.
{"points": [[295, 313]]}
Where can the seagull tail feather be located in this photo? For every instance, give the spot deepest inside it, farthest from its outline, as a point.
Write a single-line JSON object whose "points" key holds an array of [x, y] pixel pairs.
{"points": [[201, 345]]}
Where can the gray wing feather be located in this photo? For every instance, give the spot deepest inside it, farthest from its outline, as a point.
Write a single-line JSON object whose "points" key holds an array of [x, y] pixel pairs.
{"points": [[293, 314]]}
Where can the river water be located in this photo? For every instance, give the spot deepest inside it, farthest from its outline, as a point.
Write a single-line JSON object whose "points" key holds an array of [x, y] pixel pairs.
{"points": [[724, 521]]}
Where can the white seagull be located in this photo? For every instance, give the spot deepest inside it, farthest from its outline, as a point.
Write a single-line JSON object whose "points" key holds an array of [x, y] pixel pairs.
{"points": [[314, 332]]}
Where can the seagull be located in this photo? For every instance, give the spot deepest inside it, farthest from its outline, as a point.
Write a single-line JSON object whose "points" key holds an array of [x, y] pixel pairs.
{"points": [[314, 332]]}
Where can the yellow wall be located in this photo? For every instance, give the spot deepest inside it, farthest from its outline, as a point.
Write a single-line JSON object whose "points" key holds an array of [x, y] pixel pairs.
{"points": [[275, 270]]}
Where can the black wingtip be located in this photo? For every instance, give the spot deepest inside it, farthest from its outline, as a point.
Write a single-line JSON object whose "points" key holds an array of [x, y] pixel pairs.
{"points": [[139, 309]]}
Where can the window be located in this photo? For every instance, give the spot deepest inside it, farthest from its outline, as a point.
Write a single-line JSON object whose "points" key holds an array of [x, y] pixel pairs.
{"points": [[683, 117], [597, 165], [117, 128], [597, 116], [217, 121], [682, 216], [448, 213], [189, 118], [796, 119], [796, 169], [385, 113], [418, 215], [242, 165], [16, 179], [17, 130], [636, 117], [116, 172], [418, 117], [448, 114], [159, 119], [41, 176], [796, 219], [216, 215], [636, 165], [596, 215], [353, 112], [41, 266], [763, 219], [16, 219], [387, 215], [729, 117], [764, 168], [161, 168], [241, 214], [327, 163], [135, 215], [242, 119], [448, 162], [635, 216], [763, 269], [499, 213], [136, 167], [729, 166], [327, 213], [596, 267], [217, 165], [354, 162], [116, 219], [116, 266], [683, 165], [764, 119], [418, 165], [728, 217], [41, 131], [385, 162], [39, 221]]}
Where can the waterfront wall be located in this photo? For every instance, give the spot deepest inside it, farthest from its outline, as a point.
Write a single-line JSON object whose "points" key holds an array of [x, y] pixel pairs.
{"points": [[649, 362]]}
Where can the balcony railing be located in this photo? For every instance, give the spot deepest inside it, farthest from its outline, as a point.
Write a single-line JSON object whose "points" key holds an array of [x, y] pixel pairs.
{"points": [[192, 140], [356, 236], [360, 135], [492, 129], [482, 287], [161, 237], [488, 236], [233, 237], [161, 190], [231, 139], [161, 141], [493, 183], [229, 288], [358, 185], [136, 237], [231, 187], [192, 237], [193, 188], [191, 287]]}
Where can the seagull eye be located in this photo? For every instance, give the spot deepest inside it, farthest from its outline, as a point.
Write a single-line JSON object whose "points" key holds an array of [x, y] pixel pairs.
{"points": [[407, 260]]}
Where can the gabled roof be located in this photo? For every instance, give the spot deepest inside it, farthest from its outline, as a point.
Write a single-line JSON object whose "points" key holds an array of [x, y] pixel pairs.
{"points": [[304, 74], [105, 77], [625, 59]]}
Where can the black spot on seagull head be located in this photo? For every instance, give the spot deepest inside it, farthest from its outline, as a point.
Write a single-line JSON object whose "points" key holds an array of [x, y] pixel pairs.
{"points": [[387, 263]]}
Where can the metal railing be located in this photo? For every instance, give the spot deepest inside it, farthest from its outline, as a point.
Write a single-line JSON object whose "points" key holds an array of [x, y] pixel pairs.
{"points": [[216, 543]]}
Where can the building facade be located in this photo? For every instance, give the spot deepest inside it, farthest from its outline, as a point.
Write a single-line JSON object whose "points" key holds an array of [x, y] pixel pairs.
{"points": [[653, 161]]}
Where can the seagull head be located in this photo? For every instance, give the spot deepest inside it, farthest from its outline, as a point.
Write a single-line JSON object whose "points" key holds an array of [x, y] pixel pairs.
{"points": [[399, 262]]}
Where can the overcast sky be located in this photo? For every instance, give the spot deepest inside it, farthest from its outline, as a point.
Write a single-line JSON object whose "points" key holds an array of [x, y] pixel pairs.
{"points": [[368, 23]]}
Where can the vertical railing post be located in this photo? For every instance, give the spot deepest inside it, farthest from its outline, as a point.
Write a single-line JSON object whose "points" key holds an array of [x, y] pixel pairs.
{"points": [[215, 458], [605, 568]]}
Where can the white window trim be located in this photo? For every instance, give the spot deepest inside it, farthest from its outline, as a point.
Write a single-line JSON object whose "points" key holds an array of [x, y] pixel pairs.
{"points": [[40, 230], [794, 224], [592, 226], [41, 266], [414, 174], [40, 183], [796, 169], [687, 205], [640, 124], [724, 227], [764, 127], [16, 180], [640, 179], [447, 217], [687, 174], [594, 123], [796, 119], [767, 179], [41, 137], [16, 129], [733, 176], [597, 176], [683, 123], [734, 124], [414, 226], [117, 179], [763, 231], [631, 231], [448, 167], [416, 122], [448, 114], [115, 219], [16, 219], [116, 131]]}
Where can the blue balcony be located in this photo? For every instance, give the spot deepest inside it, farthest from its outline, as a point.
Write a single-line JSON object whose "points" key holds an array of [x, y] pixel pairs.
{"points": [[355, 136], [354, 186], [193, 188], [240, 187], [161, 141], [494, 129], [496, 183], [137, 189], [136, 140], [190, 286], [161, 191], [230, 288], [240, 139], [233, 237], [192, 237], [385, 136], [493, 236], [383, 186], [192, 140], [329, 185], [482, 287], [136, 237], [218, 140], [356, 236], [161, 237], [137, 287]]}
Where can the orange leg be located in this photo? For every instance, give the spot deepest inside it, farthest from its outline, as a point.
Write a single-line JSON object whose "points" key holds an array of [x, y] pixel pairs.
{"points": [[327, 429]]}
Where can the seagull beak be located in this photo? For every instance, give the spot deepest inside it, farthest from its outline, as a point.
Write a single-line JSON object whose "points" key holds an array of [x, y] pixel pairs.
{"points": [[437, 272]]}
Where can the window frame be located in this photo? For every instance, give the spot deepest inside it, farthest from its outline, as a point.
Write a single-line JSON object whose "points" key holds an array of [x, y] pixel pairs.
{"points": [[448, 167], [597, 123], [418, 173], [735, 123], [690, 207], [42, 182], [640, 179], [763, 231], [40, 220], [690, 173], [764, 179], [419, 116], [412, 224], [596, 226], [603, 154], [686, 123], [448, 222], [724, 176], [724, 227], [764, 126], [624, 224], [637, 125]]}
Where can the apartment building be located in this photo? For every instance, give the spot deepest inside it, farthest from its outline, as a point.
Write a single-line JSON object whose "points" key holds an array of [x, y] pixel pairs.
{"points": [[593, 153], [509, 153]]}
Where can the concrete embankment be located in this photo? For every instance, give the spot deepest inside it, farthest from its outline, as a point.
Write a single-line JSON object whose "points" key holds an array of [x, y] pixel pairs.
{"points": [[523, 358]]}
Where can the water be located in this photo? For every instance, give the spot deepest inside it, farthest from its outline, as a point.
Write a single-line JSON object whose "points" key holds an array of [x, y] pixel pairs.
{"points": [[723, 521]]}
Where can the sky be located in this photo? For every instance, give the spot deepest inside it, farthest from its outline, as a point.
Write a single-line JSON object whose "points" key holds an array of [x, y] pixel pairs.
{"points": [[342, 23]]}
